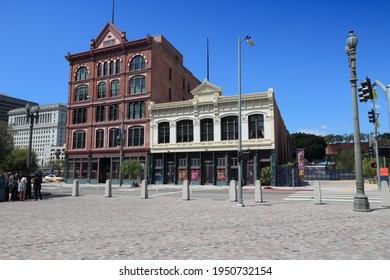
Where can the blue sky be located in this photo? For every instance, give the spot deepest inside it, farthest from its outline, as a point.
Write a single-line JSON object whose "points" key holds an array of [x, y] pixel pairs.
{"points": [[299, 49]]}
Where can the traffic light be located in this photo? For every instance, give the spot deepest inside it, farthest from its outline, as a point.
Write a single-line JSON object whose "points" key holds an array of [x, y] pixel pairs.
{"points": [[371, 116], [365, 91], [370, 150], [373, 165]]}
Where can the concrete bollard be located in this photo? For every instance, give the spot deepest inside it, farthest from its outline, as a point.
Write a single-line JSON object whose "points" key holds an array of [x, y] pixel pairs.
{"points": [[144, 189], [233, 191], [317, 193], [186, 190], [76, 188], [385, 194], [108, 189], [258, 192]]}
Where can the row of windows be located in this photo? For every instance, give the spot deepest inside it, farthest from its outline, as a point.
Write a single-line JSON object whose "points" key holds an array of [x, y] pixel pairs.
{"points": [[229, 129], [135, 110], [135, 137], [111, 68], [184, 128], [136, 86]]}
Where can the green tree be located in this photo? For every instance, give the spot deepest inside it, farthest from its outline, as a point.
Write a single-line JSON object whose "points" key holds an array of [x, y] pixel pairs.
{"points": [[345, 160], [368, 171], [266, 175], [314, 145], [132, 169], [17, 161], [6, 143]]}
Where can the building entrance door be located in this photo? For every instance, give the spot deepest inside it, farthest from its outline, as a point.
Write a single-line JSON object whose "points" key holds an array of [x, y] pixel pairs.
{"points": [[170, 175], [104, 169], [208, 178]]}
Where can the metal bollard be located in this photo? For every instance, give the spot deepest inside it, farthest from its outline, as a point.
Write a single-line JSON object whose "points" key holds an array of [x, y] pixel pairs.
{"points": [[186, 190], [144, 189], [108, 189], [317, 193], [233, 191], [258, 192], [76, 188], [385, 194]]}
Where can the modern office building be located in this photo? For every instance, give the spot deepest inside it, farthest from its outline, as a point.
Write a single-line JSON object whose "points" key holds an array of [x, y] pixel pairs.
{"points": [[8, 103], [197, 139], [49, 130], [110, 88]]}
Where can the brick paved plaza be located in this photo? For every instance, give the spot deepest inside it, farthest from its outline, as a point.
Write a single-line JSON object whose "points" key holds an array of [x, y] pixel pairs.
{"points": [[127, 227]]}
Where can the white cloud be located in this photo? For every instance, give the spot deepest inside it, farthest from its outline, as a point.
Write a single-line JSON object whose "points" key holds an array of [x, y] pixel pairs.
{"points": [[313, 131]]}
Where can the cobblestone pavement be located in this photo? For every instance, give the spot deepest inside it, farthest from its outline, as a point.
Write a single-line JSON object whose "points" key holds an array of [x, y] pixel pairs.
{"points": [[128, 227]]}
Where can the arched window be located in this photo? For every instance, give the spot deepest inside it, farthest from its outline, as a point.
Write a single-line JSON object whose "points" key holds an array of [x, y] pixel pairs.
{"points": [[115, 88], [114, 137], [99, 138], [184, 131], [105, 69], [111, 67], [117, 66], [79, 139], [163, 132], [81, 93], [135, 136], [137, 63], [256, 126], [207, 130], [229, 128], [102, 90], [82, 73], [137, 85], [99, 70]]}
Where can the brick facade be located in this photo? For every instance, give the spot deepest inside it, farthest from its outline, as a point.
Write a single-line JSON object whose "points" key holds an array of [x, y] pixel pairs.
{"points": [[143, 70]]}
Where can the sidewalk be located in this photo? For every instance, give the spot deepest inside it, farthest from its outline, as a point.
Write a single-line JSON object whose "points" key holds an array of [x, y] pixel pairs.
{"points": [[127, 227]]}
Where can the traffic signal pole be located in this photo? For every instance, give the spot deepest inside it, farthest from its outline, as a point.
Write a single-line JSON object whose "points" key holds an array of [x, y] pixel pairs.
{"points": [[386, 89], [378, 167]]}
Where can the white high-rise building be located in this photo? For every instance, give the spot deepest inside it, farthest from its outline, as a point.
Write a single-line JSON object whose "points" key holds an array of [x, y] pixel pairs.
{"points": [[48, 131]]}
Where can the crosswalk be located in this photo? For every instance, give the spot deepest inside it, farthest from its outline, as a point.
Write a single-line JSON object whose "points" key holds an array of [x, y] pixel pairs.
{"points": [[340, 197]]}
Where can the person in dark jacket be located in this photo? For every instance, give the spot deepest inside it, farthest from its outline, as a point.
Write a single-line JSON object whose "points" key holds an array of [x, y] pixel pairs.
{"points": [[37, 186]]}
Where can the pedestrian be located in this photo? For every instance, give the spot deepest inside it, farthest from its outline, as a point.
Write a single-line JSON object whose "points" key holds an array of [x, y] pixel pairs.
{"points": [[13, 187], [22, 188], [28, 187], [37, 186], [2, 187]]}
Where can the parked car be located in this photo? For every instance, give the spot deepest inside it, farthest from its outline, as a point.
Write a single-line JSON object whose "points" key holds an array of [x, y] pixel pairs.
{"points": [[53, 178]]}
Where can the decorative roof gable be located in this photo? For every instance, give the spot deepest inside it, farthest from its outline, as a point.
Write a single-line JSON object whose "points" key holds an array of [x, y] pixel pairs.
{"points": [[206, 91], [109, 36]]}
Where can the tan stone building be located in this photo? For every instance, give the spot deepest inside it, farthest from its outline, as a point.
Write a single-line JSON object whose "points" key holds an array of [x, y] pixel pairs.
{"points": [[112, 84], [197, 139]]}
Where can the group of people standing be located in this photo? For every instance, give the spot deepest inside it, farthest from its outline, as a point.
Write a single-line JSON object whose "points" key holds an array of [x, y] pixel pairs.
{"points": [[20, 187]]}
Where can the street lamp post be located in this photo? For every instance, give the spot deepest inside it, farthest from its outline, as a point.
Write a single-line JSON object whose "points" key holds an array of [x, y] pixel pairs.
{"points": [[120, 142], [31, 114], [360, 202], [240, 201]]}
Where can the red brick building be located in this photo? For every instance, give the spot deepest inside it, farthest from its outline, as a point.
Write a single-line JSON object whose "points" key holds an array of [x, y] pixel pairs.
{"points": [[112, 84]]}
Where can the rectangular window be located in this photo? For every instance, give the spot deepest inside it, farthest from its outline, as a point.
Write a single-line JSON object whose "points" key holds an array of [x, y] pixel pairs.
{"points": [[183, 163], [100, 138], [113, 113], [136, 110], [170, 73], [100, 114], [163, 133], [195, 162], [136, 136], [221, 162], [79, 116]]}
